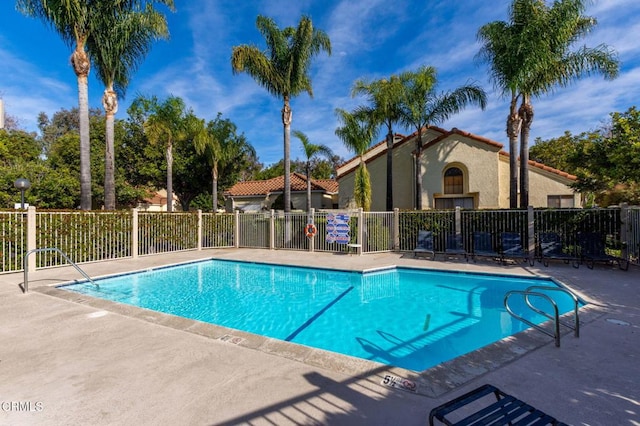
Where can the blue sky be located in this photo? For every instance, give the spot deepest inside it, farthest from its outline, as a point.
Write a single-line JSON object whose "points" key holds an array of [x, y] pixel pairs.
{"points": [[371, 39]]}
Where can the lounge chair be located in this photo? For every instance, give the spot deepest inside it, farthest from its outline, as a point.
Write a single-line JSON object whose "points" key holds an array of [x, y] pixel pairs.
{"points": [[550, 247], [511, 248], [425, 245], [592, 250], [505, 410], [483, 246], [454, 246]]}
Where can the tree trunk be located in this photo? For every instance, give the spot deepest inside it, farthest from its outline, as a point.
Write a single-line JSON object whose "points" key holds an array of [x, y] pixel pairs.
{"points": [[110, 104], [418, 162], [81, 66], [526, 114], [169, 176], [214, 187], [389, 205], [513, 131], [286, 121]]}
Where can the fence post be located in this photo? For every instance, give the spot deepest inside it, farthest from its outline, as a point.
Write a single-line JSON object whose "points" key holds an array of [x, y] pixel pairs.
{"points": [[199, 229], [134, 233], [360, 236], [272, 229], [396, 229], [312, 219], [236, 230], [31, 237], [458, 221], [624, 217], [531, 232]]}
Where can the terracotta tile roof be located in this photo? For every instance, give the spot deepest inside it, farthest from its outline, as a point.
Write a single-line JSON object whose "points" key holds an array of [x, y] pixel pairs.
{"points": [[546, 168], [276, 184], [158, 198]]}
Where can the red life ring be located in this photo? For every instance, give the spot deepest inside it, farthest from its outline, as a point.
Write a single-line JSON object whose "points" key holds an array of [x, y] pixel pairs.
{"points": [[310, 230]]}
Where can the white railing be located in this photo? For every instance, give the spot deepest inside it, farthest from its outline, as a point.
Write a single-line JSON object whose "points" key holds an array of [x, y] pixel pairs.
{"points": [[84, 236], [166, 232], [96, 236], [13, 240], [378, 232], [217, 230], [253, 230], [289, 231]]}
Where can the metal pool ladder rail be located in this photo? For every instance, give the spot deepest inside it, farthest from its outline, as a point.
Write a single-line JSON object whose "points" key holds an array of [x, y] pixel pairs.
{"points": [[529, 292], [25, 265]]}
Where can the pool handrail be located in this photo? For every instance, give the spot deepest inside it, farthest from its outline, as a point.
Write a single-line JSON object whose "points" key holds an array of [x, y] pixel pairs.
{"points": [[25, 265], [555, 318], [576, 305]]}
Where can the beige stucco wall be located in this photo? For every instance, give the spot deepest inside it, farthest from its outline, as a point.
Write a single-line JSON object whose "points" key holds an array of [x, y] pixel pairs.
{"points": [[543, 183], [486, 176], [345, 194], [477, 160]]}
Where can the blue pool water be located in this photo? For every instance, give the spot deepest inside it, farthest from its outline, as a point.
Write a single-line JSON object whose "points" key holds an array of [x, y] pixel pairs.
{"points": [[403, 317]]}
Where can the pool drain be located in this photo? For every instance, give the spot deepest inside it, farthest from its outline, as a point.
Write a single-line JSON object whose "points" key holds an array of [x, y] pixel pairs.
{"points": [[617, 321]]}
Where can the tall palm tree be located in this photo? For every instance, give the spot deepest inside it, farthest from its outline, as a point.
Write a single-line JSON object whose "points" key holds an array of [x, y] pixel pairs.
{"points": [[120, 42], [557, 28], [421, 107], [357, 132], [220, 145], [506, 49], [73, 20], [166, 123], [283, 70], [310, 151], [528, 56], [385, 97]]}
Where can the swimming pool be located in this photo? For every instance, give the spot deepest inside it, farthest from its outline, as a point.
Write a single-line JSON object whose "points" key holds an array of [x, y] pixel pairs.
{"points": [[403, 317]]}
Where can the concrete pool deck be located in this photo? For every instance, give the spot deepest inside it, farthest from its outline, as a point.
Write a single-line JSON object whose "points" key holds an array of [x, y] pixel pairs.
{"points": [[82, 361]]}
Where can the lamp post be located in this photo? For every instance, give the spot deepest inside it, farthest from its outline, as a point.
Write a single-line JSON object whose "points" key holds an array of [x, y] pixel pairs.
{"points": [[22, 184]]}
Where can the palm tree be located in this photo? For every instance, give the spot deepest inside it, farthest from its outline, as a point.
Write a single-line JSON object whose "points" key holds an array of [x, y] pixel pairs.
{"points": [[117, 46], [357, 131], [283, 70], [310, 151], [506, 49], [166, 123], [529, 56], [220, 145], [385, 96], [558, 28], [421, 107], [73, 21]]}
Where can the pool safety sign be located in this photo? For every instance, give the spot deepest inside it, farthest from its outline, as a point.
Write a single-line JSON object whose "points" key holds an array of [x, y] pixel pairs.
{"points": [[399, 383], [338, 228]]}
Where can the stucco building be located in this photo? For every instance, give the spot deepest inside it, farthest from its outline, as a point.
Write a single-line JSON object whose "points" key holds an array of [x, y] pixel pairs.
{"points": [[458, 169]]}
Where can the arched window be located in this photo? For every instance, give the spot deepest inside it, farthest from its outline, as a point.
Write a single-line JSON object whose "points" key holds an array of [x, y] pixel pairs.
{"points": [[453, 181]]}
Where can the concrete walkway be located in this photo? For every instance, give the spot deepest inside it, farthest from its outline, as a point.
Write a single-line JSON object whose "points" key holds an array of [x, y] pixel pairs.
{"points": [[73, 361]]}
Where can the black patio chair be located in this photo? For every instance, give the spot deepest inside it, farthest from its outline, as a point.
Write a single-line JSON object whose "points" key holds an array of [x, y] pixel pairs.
{"points": [[550, 247], [454, 246], [593, 249], [503, 410], [483, 245], [424, 247], [511, 248]]}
